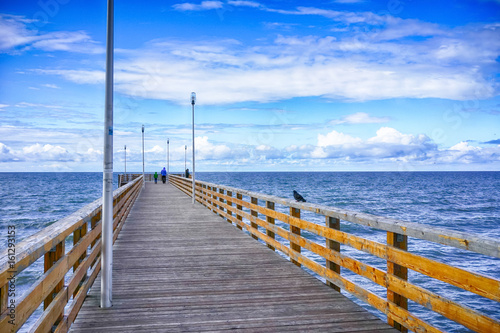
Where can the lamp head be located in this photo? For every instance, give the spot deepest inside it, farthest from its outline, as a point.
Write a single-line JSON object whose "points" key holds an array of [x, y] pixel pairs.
{"points": [[193, 98], [142, 128]]}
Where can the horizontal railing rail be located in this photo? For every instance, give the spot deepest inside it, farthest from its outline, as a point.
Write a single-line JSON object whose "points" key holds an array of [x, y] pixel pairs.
{"points": [[128, 177], [68, 273], [256, 213]]}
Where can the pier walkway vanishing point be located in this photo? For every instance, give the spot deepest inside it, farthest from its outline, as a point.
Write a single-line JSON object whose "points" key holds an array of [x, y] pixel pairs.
{"points": [[178, 267]]}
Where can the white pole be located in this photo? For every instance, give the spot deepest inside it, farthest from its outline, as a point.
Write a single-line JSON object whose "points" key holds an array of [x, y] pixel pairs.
{"points": [[168, 156], [193, 100], [107, 196], [125, 161], [143, 179], [185, 157]]}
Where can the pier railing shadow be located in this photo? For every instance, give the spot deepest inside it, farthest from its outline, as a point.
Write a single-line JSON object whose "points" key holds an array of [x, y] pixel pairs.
{"points": [[284, 230], [68, 273]]}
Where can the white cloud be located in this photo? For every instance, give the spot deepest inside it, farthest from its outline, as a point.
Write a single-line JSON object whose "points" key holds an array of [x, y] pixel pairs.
{"points": [[204, 5], [6, 154], [390, 145], [335, 138], [464, 153], [354, 69], [206, 150], [78, 76], [156, 149], [360, 64], [47, 152], [359, 118], [263, 152], [37, 105], [15, 36], [239, 3], [53, 86], [387, 144], [389, 135]]}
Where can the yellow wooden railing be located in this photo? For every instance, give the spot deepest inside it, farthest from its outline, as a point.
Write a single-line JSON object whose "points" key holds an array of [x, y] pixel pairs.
{"points": [[68, 273], [255, 213]]}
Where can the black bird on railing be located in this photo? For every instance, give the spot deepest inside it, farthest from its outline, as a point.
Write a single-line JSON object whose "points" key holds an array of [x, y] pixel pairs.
{"points": [[298, 197]]}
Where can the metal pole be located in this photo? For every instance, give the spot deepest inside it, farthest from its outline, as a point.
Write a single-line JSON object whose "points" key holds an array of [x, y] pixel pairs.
{"points": [[107, 181], [125, 161], [193, 100], [168, 156], [185, 157], [143, 179]]}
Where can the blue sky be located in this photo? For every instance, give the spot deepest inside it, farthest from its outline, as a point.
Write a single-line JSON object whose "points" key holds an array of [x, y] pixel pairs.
{"points": [[281, 86]]}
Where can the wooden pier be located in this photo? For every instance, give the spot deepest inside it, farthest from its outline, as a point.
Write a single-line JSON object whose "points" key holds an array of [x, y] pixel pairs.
{"points": [[180, 268], [238, 265]]}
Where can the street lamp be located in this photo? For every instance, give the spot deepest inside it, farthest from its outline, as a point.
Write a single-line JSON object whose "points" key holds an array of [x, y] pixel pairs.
{"points": [[107, 179], [193, 101], [125, 161], [143, 180], [168, 156], [185, 155]]}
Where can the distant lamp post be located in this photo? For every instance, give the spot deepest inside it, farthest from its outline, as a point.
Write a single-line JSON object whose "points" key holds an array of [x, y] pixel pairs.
{"points": [[143, 179], [193, 101], [168, 156], [185, 157], [125, 161]]}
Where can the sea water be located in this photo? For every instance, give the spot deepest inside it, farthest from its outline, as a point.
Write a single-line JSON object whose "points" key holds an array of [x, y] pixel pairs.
{"points": [[461, 201]]}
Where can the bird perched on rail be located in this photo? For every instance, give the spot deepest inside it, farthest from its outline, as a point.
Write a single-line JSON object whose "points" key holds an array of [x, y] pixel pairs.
{"points": [[298, 197]]}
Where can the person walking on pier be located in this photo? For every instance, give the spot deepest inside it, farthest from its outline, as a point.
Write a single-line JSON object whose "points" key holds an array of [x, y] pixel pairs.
{"points": [[156, 177], [164, 175]]}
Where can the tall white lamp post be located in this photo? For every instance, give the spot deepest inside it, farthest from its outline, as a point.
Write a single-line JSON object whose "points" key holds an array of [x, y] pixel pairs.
{"points": [[193, 101], [143, 179], [107, 179], [168, 156], [185, 157], [125, 161]]}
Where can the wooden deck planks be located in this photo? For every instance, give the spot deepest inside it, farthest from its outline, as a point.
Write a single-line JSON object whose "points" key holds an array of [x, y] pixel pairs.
{"points": [[178, 267]]}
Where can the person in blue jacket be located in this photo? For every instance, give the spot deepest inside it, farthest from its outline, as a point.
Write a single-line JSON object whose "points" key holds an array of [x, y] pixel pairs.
{"points": [[164, 175]]}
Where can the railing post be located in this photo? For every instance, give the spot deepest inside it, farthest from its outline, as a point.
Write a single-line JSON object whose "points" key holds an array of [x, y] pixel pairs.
{"points": [[230, 204], [50, 259], [270, 220], [93, 222], [239, 208], [401, 242], [204, 192], [295, 212], [77, 235], [4, 298], [333, 223], [214, 199], [254, 225], [221, 191], [209, 194]]}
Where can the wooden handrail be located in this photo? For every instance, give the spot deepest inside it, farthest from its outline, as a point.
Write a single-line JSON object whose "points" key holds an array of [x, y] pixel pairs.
{"points": [[260, 222], [62, 300]]}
